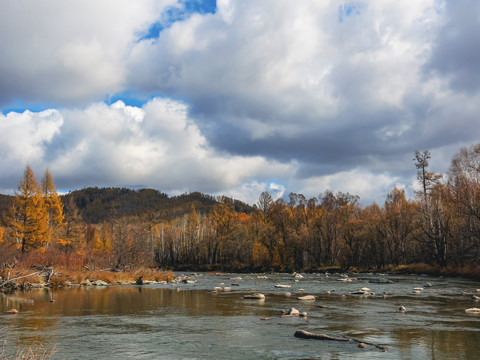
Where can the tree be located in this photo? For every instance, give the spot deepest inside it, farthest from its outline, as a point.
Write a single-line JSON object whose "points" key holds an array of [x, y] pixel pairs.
{"points": [[74, 230], [426, 178], [464, 185], [27, 215], [54, 208], [264, 203], [398, 226]]}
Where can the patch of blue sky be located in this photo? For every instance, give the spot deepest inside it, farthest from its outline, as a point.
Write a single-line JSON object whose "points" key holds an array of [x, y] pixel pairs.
{"points": [[179, 13], [130, 98], [134, 98], [350, 9], [20, 106]]}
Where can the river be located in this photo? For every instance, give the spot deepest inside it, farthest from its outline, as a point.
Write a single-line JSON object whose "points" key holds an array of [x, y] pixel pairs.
{"points": [[189, 321]]}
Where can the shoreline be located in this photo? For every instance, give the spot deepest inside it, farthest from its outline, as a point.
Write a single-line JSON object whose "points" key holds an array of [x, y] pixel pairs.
{"points": [[24, 279]]}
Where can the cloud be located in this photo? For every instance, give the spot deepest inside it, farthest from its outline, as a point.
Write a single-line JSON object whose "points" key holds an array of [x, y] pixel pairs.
{"points": [[291, 81], [456, 54], [69, 53], [113, 145], [365, 184], [25, 137], [305, 96]]}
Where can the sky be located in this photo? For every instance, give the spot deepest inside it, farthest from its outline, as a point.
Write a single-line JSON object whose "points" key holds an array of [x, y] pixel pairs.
{"points": [[237, 97]]}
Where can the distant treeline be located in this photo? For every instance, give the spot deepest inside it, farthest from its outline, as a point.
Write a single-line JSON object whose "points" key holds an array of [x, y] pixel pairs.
{"points": [[123, 228]]}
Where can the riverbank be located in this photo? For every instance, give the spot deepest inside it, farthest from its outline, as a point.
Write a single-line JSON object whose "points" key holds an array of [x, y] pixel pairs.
{"points": [[35, 276], [24, 278], [468, 271]]}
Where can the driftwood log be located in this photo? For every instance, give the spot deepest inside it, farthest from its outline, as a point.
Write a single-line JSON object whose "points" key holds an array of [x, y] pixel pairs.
{"points": [[309, 335], [14, 280]]}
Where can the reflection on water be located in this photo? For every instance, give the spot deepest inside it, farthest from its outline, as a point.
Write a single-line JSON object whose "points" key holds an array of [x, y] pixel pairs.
{"points": [[189, 321]]}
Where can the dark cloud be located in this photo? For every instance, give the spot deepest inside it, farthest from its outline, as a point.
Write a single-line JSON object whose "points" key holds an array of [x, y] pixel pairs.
{"points": [[456, 51]]}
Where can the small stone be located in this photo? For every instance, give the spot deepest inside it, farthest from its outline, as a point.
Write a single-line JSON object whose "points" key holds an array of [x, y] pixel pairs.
{"points": [[282, 286], [473, 311], [256, 296], [100, 283], [186, 281], [362, 345], [359, 292], [292, 311], [11, 312]]}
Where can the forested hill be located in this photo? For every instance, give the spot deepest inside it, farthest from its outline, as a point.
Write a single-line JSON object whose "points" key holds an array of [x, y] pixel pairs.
{"points": [[99, 204]]}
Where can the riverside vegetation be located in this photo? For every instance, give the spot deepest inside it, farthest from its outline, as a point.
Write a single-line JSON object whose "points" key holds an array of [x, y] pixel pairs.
{"points": [[117, 234]]}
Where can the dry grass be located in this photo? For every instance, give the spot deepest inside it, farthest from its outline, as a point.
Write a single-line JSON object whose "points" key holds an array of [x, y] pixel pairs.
{"points": [[470, 271], [110, 277], [66, 275], [36, 352], [72, 268]]}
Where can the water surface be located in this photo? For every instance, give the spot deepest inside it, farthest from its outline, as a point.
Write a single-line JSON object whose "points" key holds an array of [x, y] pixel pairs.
{"points": [[189, 321]]}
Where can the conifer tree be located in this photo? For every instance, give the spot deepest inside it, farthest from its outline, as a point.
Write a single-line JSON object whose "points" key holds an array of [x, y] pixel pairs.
{"points": [[54, 208], [27, 215]]}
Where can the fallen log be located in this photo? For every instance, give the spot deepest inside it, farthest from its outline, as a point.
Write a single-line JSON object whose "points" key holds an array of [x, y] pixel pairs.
{"points": [[14, 279], [309, 335]]}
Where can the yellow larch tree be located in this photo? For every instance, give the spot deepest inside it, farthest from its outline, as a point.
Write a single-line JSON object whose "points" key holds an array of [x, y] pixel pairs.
{"points": [[54, 207], [27, 215]]}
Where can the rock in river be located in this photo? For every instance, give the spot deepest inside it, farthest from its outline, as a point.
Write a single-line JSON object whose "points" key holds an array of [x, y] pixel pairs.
{"points": [[380, 281], [473, 311], [256, 296]]}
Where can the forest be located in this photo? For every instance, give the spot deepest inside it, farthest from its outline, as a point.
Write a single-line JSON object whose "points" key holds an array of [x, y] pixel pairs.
{"points": [[115, 228]]}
